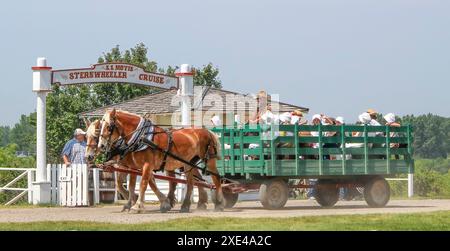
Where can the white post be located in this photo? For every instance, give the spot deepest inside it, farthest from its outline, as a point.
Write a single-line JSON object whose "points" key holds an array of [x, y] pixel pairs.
{"points": [[410, 185], [186, 86], [30, 186], [96, 181], [41, 85]]}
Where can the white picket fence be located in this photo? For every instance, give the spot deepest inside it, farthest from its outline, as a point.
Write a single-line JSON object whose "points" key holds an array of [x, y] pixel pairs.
{"points": [[70, 186]]}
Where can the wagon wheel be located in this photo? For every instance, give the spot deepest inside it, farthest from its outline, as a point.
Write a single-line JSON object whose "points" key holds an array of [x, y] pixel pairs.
{"points": [[273, 194], [230, 198], [377, 192], [327, 193]]}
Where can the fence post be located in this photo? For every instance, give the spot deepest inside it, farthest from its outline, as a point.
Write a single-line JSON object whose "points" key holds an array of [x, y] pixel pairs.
{"points": [[30, 186], [96, 179], [410, 185]]}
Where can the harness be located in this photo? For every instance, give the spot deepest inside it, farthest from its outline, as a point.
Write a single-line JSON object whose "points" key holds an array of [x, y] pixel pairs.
{"points": [[122, 147], [142, 138]]}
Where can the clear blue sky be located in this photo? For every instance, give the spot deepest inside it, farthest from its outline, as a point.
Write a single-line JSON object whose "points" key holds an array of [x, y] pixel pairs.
{"points": [[335, 57]]}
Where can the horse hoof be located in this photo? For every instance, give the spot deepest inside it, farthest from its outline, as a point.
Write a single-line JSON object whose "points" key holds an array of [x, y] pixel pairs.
{"points": [[202, 207], [165, 206], [136, 210], [126, 208], [218, 209], [184, 210]]}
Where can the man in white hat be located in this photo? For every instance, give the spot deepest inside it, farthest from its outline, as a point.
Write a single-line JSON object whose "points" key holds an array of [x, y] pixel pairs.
{"points": [[340, 120], [364, 119], [216, 121], [390, 121], [74, 150]]}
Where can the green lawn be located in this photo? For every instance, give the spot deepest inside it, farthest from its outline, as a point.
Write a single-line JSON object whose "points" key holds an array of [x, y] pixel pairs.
{"points": [[416, 221]]}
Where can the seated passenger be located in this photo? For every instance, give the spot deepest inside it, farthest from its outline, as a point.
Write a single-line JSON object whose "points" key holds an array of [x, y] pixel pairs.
{"points": [[374, 122], [364, 119], [216, 121], [296, 118], [373, 117], [390, 121], [340, 120]]}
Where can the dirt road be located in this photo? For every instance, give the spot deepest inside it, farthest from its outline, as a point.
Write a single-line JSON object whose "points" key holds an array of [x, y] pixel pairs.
{"points": [[253, 209]]}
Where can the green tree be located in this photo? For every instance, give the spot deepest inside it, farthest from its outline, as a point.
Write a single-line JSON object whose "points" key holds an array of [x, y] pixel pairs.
{"points": [[4, 135], [431, 135], [23, 134], [207, 76]]}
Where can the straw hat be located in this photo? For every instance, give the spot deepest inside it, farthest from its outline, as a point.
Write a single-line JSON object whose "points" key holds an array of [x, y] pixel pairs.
{"points": [[372, 112], [297, 112]]}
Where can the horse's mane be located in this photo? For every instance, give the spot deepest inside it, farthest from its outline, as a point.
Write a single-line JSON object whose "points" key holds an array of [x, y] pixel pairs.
{"points": [[106, 117], [92, 129]]}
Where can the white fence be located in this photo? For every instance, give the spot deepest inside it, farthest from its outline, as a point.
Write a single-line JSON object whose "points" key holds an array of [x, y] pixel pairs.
{"points": [[29, 174], [69, 184]]}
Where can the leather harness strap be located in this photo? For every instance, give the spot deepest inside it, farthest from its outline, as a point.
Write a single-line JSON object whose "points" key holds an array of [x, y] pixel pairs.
{"points": [[166, 152]]}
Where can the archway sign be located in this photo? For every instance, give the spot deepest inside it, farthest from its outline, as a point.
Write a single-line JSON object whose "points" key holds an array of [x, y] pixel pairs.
{"points": [[44, 77]]}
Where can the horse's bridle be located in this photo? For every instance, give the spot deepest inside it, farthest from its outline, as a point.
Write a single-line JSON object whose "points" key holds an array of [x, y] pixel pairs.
{"points": [[111, 128]]}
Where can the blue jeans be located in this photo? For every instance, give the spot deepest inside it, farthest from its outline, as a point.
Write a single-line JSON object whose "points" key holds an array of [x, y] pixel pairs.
{"points": [[311, 191]]}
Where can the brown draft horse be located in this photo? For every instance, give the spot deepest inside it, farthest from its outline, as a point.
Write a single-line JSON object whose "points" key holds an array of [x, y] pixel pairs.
{"points": [[93, 132], [192, 144]]}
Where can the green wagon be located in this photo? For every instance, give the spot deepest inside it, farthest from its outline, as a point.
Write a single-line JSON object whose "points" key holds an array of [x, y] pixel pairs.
{"points": [[268, 157]]}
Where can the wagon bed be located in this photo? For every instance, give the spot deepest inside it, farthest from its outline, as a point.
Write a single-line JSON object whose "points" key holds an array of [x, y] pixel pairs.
{"points": [[268, 156]]}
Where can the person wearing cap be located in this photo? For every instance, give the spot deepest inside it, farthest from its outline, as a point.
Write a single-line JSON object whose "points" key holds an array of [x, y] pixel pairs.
{"points": [[363, 119], [373, 116], [296, 117], [390, 121], [74, 150], [339, 120], [216, 121]]}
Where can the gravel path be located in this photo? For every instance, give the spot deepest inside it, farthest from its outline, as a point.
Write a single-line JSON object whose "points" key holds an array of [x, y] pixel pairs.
{"points": [[249, 209]]}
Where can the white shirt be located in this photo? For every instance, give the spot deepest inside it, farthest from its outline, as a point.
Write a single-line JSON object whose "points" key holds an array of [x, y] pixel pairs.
{"points": [[373, 122], [295, 119], [267, 117], [216, 121]]}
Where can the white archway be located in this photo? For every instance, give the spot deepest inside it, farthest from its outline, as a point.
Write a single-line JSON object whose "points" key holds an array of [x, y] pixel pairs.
{"points": [[44, 77]]}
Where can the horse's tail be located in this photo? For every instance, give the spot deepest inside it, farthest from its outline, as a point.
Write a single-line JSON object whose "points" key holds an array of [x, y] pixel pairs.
{"points": [[215, 144]]}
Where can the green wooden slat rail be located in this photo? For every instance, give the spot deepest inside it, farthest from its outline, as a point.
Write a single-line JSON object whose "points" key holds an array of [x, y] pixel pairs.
{"points": [[284, 156]]}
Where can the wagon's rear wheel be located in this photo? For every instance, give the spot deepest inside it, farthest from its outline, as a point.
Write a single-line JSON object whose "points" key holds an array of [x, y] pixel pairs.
{"points": [[377, 192], [273, 193], [327, 193], [230, 198]]}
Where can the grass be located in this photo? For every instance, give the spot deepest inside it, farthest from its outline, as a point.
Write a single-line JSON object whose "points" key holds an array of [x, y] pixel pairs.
{"points": [[416, 221]]}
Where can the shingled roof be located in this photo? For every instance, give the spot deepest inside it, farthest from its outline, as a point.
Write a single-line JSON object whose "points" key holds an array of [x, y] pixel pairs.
{"points": [[217, 100]]}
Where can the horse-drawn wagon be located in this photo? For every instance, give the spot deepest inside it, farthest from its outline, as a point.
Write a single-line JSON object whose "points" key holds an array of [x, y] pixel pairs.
{"points": [[268, 157]]}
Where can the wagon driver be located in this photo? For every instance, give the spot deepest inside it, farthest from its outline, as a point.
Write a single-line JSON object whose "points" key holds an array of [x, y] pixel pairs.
{"points": [[74, 150]]}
